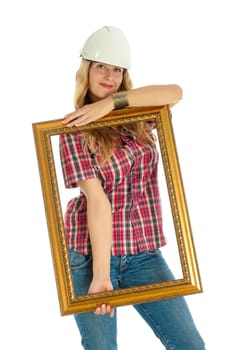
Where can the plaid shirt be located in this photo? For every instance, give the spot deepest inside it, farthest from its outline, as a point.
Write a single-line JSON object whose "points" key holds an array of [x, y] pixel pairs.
{"points": [[130, 181]]}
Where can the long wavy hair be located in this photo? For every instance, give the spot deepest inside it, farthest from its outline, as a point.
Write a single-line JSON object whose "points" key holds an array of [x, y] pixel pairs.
{"points": [[105, 140]]}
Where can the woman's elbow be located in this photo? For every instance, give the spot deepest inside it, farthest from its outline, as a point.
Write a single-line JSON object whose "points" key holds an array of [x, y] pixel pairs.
{"points": [[178, 92]]}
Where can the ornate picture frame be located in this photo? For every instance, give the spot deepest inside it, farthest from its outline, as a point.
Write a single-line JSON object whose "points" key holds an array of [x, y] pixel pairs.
{"points": [[190, 283]]}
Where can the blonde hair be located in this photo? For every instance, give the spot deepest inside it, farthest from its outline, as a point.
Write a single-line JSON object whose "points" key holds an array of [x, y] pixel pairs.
{"points": [[105, 140]]}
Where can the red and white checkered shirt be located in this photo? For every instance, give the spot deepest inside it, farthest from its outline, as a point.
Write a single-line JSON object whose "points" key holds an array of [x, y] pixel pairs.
{"points": [[130, 181]]}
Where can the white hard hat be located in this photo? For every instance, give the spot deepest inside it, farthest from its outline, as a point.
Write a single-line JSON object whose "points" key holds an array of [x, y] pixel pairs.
{"points": [[107, 45]]}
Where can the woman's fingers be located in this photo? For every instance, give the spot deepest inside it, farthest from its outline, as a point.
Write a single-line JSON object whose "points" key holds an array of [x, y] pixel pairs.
{"points": [[103, 309], [72, 118], [77, 119], [111, 312]]}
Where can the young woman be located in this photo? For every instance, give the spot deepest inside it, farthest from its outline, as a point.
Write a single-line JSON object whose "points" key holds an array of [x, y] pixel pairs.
{"points": [[114, 227]]}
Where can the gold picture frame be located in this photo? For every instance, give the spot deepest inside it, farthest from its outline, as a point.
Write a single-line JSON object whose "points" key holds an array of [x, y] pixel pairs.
{"points": [[191, 281]]}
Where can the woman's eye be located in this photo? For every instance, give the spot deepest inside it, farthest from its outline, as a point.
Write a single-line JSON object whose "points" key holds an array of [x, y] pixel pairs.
{"points": [[101, 66], [117, 69]]}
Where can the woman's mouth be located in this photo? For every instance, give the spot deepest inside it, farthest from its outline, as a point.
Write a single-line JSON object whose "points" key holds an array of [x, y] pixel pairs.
{"points": [[106, 86]]}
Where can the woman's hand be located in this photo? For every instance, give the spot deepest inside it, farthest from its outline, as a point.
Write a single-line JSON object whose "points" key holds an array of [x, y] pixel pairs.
{"points": [[98, 286], [89, 113]]}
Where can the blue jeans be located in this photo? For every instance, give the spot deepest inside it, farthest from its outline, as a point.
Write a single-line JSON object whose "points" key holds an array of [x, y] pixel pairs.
{"points": [[169, 319]]}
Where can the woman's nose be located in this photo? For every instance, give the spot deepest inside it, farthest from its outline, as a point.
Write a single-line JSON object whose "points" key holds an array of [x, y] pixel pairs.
{"points": [[108, 73]]}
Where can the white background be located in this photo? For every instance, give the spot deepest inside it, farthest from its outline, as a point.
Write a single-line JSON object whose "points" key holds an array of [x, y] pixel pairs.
{"points": [[184, 42]]}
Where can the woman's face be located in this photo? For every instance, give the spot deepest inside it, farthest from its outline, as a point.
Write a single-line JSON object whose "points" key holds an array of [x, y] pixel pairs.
{"points": [[104, 80]]}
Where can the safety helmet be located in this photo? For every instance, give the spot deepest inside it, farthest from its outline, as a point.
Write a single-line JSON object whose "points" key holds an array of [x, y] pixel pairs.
{"points": [[107, 45]]}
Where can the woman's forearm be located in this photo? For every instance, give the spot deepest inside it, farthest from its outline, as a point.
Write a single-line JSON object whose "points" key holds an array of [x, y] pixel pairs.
{"points": [[100, 230], [151, 95], [99, 219], [154, 95]]}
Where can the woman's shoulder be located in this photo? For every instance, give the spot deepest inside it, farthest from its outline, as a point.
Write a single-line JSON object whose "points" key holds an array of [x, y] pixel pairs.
{"points": [[75, 136], [72, 140]]}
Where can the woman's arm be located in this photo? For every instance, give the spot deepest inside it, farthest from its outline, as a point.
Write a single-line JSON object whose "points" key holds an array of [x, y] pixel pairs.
{"points": [[99, 217], [152, 95], [155, 95]]}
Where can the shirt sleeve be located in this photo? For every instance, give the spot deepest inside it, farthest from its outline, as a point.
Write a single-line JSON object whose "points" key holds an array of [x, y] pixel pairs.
{"points": [[76, 161]]}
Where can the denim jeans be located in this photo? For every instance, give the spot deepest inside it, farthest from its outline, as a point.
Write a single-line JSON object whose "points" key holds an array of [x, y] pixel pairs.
{"points": [[169, 319]]}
